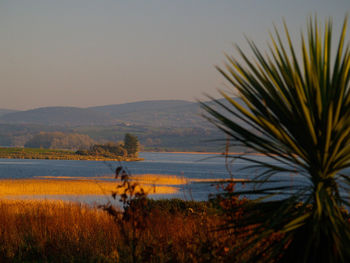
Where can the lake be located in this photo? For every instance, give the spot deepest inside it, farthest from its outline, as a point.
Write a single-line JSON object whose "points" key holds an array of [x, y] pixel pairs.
{"points": [[187, 165]]}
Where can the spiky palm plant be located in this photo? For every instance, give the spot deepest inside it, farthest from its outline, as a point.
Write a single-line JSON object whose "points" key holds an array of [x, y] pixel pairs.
{"points": [[296, 110]]}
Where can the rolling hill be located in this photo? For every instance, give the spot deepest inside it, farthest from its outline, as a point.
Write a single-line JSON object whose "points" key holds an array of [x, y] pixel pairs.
{"points": [[62, 116], [6, 111], [163, 113], [157, 113], [149, 113], [173, 125]]}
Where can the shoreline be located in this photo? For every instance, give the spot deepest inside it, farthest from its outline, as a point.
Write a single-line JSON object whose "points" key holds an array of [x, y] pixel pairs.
{"points": [[50, 154], [72, 159], [216, 153], [56, 154]]}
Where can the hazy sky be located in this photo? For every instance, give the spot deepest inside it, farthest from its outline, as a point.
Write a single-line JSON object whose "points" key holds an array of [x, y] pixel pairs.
{"points": [[97, 52]]}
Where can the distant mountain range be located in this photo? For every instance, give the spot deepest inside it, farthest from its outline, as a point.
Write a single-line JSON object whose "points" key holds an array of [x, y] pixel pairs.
{"points": [[157, 113], [5, 111], [65, 116], [174, 125]]}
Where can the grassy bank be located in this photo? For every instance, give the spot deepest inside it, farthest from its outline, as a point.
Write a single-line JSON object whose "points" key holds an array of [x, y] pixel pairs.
{"points": [[100, 185], [50, 154], [167, 231], [26, 187]]}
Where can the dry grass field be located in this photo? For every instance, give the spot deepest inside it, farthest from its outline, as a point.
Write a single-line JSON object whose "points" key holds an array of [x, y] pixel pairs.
{"points": [[56, 231], [27, 187], [146, 231]]}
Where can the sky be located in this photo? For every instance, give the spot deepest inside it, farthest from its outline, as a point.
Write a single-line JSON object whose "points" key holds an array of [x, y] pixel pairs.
{"points": [[97, 52]]}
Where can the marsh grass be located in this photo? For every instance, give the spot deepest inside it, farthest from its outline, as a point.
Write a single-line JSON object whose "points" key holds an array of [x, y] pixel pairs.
{"points": [[177, 180], [56, 231], [142, 230], [43, 231], [10, 187], [152, 179]]}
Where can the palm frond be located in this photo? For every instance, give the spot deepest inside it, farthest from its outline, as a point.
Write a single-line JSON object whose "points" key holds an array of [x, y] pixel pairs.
{"points": [[296, 110]]}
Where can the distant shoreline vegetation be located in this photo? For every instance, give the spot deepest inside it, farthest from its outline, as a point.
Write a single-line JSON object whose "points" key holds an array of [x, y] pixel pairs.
{"points": [[121, 151], [52, 154]]}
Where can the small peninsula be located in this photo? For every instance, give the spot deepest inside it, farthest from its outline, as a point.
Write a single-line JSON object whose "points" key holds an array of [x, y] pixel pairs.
{"points": [[122, 151], [52, 154]]}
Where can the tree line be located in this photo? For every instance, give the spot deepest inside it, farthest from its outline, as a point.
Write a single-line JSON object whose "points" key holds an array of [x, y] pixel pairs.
{"points": [[84, 145], [60, 140], [128, 148]]}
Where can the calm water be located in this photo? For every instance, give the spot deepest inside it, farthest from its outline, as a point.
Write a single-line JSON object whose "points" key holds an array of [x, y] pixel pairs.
{"points": [[199, 166]]}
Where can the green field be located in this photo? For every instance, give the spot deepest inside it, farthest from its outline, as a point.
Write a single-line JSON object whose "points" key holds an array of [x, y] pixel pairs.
{"points": [[51, 154]]}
